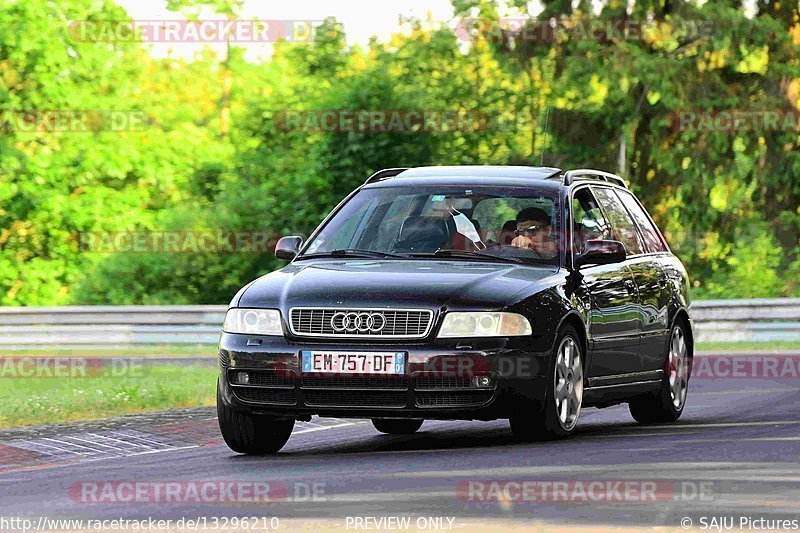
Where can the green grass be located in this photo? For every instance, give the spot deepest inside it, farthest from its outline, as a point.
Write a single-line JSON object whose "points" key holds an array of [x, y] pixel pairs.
{"points": [[743, 346], [28, 401]]}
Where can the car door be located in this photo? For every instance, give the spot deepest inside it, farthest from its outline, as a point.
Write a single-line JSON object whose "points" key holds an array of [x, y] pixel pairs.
{"points": [[656, 294], [649, 278], [613, 317]]}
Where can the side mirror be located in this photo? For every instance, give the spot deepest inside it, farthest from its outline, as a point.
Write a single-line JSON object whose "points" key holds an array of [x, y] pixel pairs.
{"points": [[288, 247], [600, 252]]}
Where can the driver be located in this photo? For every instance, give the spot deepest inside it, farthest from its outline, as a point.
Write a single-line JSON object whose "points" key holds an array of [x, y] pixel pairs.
{"points": [[535, 232]]}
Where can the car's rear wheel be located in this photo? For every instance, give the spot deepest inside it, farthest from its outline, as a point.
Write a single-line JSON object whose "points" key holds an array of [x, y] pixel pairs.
{"points": [[564, 395], [397, 426], [251, 434], [667, 404]]}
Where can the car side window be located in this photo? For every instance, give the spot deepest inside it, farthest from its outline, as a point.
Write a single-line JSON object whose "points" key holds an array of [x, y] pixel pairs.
{"points": [[622, 222], [652, 239], [588, 220]]}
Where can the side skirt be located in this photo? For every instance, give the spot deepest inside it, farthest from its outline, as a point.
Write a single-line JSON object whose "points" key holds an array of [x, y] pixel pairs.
{"points": [[608, 395]]}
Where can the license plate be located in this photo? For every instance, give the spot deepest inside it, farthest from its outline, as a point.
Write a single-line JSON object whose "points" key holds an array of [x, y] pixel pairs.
{"points": [[354, 362]]}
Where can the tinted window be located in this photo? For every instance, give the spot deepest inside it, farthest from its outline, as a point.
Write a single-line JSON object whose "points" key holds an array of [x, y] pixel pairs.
{"points": [[588, 220], [652, 240], [621, 221]]}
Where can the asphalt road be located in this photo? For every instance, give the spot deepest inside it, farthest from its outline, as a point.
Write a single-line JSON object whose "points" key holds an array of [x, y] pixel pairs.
{"points": [[735, 453]]}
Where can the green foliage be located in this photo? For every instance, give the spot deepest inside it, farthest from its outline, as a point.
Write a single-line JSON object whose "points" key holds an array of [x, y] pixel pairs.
{"points": [[727, 200]]}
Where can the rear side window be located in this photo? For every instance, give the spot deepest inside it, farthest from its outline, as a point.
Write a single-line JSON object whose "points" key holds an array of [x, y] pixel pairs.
{"points": [[652, 239], [588, 220], [621, 221]]}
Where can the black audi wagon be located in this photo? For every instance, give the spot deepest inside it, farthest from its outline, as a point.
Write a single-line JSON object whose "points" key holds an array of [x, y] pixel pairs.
{"points": [[462, 293]]}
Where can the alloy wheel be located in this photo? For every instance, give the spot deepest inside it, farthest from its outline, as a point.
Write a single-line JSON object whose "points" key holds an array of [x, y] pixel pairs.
{"points": [[678, 368], [568, 388]]}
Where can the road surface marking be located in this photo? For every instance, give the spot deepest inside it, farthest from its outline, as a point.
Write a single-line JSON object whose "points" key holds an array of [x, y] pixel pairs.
{"points": [[309, 430]]}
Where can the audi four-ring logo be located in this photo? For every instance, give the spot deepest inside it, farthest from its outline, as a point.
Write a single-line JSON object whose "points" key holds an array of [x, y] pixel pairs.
{"points": [[358, 322]]}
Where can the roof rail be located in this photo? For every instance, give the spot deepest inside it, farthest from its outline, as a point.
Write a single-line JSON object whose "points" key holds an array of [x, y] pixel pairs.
{"points": [[385, 174], [599, 174]]}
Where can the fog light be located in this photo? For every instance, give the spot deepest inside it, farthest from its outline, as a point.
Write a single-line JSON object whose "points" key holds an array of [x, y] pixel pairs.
{"points": [[242, 378], [482, 382]]}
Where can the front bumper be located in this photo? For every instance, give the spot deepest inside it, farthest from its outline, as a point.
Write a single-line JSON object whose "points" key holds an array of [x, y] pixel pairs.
{"points": [[437, 383]]}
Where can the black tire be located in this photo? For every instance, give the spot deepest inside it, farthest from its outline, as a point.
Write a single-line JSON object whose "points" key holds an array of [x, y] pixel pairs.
{"points": [[544, 423], [397, 426], [251, 434], [659, 407]]}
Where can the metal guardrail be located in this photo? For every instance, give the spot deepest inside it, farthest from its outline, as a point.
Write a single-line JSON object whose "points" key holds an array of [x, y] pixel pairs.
{"points": [[760, 320], [105, 326]]}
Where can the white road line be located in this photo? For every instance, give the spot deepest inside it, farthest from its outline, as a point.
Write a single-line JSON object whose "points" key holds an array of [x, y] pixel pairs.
{"points": [[690, 427], [148, 446], [633, 434], [313, 424], [79, 446], [731, 424], [309, 430], [106, 437], [69, 450], [740, 439], [73, 437], [641, 449], [155, 443], [34, 445], [74, 451], [517, 471], [744, 392]]}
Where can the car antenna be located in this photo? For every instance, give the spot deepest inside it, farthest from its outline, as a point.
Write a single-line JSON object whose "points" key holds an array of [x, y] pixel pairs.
{"points": [[544, 142]]}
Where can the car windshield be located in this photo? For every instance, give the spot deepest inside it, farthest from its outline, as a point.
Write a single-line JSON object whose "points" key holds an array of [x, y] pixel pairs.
{"points": [[476, 223]]}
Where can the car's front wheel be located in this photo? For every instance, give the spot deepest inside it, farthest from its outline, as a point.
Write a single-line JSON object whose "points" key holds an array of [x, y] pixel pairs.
{"points": [[564, 395], [397, 426], [251, 434], [667, 404]]}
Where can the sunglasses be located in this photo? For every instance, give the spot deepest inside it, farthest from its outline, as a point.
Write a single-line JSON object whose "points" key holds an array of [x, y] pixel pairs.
{"points": [[531, 229]]}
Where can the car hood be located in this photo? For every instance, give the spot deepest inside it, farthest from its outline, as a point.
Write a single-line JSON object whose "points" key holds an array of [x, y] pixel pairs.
{"points": [[427, 284]]}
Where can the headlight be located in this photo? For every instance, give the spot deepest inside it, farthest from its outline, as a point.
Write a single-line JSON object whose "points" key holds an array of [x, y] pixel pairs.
{"points": [[484, 324], [255, 321]]}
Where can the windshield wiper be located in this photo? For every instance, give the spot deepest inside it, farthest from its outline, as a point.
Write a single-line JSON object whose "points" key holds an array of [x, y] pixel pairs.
{"points": [[481, 256], [354, 252]]}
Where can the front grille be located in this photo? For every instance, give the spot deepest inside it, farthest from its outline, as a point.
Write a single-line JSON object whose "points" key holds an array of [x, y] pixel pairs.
{"points": [[453, 399], [265, 395], [442, 382], [396, 323], [276, 387], [354, 398], [354, 382], [269, 378], [224, 360]]}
